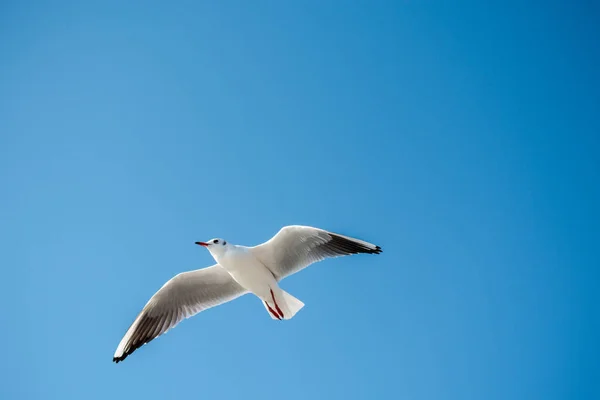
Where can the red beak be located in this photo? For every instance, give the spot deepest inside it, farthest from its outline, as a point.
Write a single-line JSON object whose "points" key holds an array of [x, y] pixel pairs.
{"points": [[202, 244]]}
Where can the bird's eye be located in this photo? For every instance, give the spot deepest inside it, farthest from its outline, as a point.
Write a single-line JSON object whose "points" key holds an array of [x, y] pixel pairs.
{"points": [[215, 241], [224, 243]]}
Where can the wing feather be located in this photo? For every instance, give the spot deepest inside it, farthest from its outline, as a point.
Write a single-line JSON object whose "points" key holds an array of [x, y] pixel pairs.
{"points": [[183, 296], [296, 247]]}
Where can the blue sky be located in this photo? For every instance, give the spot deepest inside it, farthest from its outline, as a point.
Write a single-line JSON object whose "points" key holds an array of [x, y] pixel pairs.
{"points": [[462, 138]]}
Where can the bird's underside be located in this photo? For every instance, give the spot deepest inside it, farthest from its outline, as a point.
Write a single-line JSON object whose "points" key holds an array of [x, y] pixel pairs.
{"points": [[292, 249]]}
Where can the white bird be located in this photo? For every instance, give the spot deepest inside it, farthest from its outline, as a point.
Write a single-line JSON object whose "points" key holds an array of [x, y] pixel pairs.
{"points": [[239, 270]]}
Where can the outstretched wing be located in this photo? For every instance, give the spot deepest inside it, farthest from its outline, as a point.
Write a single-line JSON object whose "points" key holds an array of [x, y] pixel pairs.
{"points": [[181, 297], [296, 247]]}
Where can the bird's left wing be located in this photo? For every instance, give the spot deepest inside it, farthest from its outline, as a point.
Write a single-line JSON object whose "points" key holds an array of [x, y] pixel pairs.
{"points": [[295, 247], [183, 296]]}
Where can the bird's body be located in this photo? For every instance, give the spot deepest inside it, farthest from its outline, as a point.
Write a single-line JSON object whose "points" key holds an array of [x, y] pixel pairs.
{"points": [[239, 270], [250, 273], [247, 270]]}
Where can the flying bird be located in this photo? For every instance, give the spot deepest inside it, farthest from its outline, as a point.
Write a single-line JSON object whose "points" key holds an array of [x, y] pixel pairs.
{"points": [[239, 270]]}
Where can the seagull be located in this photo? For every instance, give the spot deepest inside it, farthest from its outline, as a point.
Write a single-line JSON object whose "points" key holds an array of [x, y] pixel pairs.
{"points": [[239, 270]]}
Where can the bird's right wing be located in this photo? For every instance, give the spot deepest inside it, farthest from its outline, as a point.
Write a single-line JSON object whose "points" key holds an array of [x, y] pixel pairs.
{"points": [[183, 296]]}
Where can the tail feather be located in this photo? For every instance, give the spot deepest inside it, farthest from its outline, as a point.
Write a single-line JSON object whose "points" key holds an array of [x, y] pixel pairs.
{"points": [[291, 305], [286, 303]]}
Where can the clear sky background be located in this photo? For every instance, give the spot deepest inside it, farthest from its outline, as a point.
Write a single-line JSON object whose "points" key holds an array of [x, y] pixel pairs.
{"points": [[461, 137]]}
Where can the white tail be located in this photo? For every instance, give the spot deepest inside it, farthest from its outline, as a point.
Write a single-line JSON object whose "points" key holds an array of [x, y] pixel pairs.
{"points": [[288, 304], [292, 304]]}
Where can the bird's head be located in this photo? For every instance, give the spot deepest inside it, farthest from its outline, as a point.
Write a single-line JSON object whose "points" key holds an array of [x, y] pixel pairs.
{"points": [[217, 247]]}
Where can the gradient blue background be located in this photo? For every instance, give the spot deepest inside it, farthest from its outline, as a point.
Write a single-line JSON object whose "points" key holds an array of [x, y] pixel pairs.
{"points": [[463, 138]]}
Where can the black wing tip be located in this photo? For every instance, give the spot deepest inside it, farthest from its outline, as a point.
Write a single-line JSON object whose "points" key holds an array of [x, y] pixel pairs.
{"points": [[117, 360], [376, 250], [140, 337], [129, 352], [352, 247]]}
